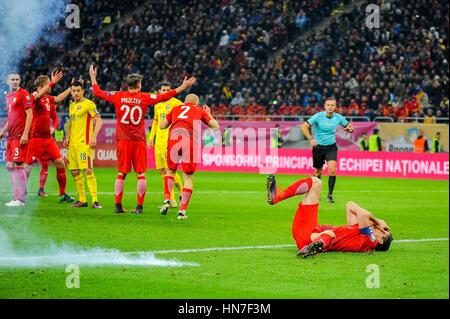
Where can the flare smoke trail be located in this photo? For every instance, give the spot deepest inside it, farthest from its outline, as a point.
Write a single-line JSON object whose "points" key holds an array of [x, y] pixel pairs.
{"points": [[22, 25]]}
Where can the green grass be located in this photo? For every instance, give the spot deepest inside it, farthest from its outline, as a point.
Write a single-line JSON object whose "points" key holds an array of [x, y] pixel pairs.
{"points": [[230, 210]]}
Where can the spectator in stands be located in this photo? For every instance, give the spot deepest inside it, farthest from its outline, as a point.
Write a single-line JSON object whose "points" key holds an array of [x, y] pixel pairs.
{"points": [[238, 100], [429, 117], [394, 61], [402, 113]]}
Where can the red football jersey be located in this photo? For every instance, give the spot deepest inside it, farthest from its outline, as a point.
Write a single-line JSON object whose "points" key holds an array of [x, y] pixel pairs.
{"points": [[17, 103], [349, 238], [184, 115], [44, 110], [130, 110]]}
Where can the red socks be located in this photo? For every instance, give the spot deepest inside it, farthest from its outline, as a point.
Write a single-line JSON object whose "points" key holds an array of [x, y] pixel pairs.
{"points": [[43, 175], [325, 239], [168, 186], [185, 197], [141, 188], [118, 188], [61, 177], [298, 188]]}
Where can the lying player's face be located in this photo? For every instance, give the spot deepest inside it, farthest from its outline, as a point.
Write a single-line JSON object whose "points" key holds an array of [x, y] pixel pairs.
{"points": [[77, 93], [379, 235], [330, 106], [164, 89], [13, 81]]}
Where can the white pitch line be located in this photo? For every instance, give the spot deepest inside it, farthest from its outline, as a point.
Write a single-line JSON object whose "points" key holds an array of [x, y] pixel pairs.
{"points": [[261, 192], [196, 250]]}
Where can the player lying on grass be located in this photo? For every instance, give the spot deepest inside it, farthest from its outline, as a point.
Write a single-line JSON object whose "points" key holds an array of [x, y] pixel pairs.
{"points": [[362, 233], [131, 106], [185, 120]]}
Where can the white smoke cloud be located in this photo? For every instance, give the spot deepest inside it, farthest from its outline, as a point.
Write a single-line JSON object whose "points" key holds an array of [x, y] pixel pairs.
{"points": [[22, 23]]}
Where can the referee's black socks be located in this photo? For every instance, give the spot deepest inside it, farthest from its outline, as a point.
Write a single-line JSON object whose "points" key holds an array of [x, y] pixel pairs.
{"points": [[331, 182]]}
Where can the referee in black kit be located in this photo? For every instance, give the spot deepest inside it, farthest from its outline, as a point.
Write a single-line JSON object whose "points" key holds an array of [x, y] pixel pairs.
{"points": [[324, 141]]}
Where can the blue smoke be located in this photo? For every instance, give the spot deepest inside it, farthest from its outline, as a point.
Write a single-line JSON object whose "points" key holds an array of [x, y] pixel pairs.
{"points": [[22, 24]]}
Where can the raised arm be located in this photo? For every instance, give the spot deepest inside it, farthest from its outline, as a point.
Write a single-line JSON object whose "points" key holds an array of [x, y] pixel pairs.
{"points": [[364, 218], [98, 92], [62, 96], [212, 123], [187, 83], [56, 77]]}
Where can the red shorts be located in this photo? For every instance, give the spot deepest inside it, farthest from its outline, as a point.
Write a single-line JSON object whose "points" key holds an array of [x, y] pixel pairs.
{"points": [[131, 153], [15, 152], [305, 223], [42, 149], [184, 154]]}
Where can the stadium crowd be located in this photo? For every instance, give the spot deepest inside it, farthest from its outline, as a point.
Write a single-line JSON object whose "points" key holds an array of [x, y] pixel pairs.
{"points": [[251, 59]]}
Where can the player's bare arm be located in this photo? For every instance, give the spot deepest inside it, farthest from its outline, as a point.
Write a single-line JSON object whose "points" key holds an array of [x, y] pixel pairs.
{"points": [[213, 122], [97, 127], [306, 131], [151, 138], [26, 131], [187, 83], [62, 96], [93, 74], [67, 139], [4, 130], [164, 124], [357, 214], [56, 77]]}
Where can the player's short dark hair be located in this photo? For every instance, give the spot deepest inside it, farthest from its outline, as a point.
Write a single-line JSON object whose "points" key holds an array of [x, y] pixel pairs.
{"points": [[387, 240], [133, 80], [375, 131], [41, 80], [164, 83], [78, 84]]}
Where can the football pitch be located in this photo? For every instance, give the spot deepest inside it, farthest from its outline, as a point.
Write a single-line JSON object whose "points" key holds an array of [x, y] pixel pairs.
{"points": [[233, 245]]}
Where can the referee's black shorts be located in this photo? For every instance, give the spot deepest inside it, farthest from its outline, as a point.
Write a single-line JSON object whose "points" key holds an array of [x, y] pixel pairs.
{"points": [[322, 153]]}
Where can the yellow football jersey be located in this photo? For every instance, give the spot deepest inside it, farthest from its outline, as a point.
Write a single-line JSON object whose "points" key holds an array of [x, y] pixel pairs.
{"points": [[161, 110], [81, 124]]}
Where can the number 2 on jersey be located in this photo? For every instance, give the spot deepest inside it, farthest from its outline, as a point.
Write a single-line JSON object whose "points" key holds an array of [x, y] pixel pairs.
{"points": [[186, 109], [130, 114]]}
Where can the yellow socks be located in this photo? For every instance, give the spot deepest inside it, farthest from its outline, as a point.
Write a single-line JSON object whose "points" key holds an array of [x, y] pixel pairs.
{"points": [[92, 185], [79, 186]]}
